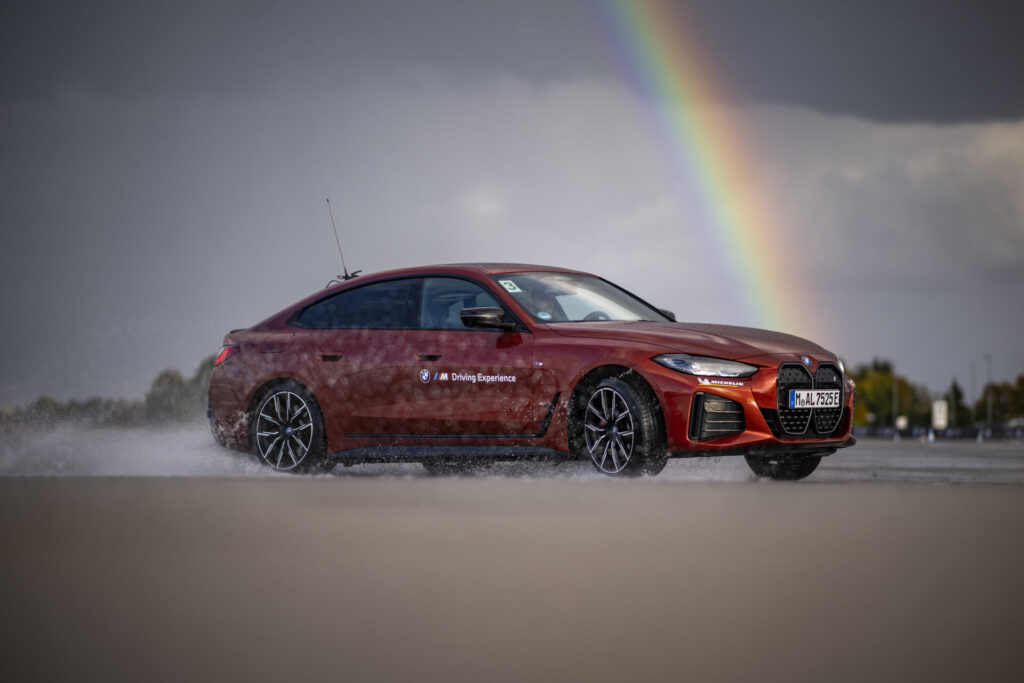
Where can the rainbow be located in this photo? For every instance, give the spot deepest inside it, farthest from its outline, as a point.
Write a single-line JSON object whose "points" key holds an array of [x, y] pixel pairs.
{"points": [[710, 157]]}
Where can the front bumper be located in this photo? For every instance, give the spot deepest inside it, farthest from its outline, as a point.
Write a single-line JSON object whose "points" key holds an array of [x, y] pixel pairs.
{"points": [[747, 414], [772, 448]]}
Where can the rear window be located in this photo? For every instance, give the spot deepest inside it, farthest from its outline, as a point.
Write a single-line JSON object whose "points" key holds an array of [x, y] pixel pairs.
{"points": [[377, 306]]}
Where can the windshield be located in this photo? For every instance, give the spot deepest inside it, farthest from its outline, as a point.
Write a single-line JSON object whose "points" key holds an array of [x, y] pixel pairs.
{"points": [[570, 297]]}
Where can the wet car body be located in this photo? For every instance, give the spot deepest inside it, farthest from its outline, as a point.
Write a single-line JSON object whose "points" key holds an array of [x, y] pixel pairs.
{"points": [[450, 389]]}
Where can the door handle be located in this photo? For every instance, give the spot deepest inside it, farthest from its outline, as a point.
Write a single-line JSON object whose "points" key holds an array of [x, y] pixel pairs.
{"points": [[330, 357], [428, 356]]}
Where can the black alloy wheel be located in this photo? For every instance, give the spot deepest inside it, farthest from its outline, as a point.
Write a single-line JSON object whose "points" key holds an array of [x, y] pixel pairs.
{"points": [[288, 430], [622, 432]]}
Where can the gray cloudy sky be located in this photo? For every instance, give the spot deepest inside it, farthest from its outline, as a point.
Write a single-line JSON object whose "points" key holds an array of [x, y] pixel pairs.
{"points": [[163, 168]]}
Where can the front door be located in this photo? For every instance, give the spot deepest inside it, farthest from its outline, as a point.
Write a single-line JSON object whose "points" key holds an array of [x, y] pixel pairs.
{"points": [[466, 382]]}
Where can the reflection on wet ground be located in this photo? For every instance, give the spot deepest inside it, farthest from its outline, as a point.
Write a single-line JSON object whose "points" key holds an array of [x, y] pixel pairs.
{"points": [[191, 452]]}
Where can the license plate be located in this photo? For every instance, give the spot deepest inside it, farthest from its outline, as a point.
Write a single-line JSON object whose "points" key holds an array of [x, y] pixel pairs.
{"points": [[814, 398]]}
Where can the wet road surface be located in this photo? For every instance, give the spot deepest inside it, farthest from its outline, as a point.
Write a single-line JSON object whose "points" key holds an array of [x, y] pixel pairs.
{"points": [[191, 452], [168, 558]]}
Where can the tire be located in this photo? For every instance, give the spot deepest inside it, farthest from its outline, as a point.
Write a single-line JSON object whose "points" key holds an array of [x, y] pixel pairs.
{"points": [[783, 467], [621, 431], [287, 430]]}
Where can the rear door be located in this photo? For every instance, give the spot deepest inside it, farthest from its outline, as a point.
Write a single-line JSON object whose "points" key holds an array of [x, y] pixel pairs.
{"points": [[355, 349]]}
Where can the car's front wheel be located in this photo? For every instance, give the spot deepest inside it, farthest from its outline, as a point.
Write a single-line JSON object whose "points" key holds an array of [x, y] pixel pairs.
{"points": [[288, 430], [783, 467], [622, 433]]}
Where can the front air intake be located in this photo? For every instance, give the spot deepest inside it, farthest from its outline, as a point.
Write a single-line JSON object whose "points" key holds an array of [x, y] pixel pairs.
{"points": [[713, 417]]}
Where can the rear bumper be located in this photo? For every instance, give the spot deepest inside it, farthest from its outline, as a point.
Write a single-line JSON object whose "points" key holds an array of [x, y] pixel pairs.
{"points": [[226, 412]]}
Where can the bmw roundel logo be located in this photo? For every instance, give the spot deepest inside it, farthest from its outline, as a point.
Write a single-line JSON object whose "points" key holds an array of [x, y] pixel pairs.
{"points": [[424, 376], [806, 361]]}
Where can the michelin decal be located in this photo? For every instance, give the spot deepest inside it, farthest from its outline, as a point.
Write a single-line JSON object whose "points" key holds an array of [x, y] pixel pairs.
{"points": [[704, 381]]}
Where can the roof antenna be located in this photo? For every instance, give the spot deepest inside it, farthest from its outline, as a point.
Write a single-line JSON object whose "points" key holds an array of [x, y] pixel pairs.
{"points": [[346, 276]]}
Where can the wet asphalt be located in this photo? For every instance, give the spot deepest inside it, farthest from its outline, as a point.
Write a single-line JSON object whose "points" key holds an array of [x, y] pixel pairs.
{"points": [[133, 554]]}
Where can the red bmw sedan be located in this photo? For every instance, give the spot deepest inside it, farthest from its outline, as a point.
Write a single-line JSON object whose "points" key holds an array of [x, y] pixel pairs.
{"points": [[454, 364]]}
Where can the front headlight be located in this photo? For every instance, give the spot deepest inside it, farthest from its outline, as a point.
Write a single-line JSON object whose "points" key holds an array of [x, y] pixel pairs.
{"points": [[703, 365]]}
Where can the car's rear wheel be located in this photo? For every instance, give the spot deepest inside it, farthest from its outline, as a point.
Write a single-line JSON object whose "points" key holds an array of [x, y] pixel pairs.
{"points": [[622, 434], [288, 430], [783, 467]]}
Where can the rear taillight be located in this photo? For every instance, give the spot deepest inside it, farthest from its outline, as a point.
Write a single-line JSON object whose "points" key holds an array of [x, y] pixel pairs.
{"points": [[225, 353]]}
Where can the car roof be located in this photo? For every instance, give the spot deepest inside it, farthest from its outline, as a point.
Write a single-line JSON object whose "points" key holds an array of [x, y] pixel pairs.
{"points": [[495, 268], [498, 268], [479, 269], [470, 269]]}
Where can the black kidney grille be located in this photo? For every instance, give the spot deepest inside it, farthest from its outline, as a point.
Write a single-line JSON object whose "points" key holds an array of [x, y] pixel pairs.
{"points": [[793, 421], [796, 422], [827, 419], [713, 417]]}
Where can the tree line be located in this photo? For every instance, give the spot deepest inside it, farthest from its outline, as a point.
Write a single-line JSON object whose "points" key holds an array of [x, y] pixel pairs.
{"points": [[874, 399], [171, 398]]}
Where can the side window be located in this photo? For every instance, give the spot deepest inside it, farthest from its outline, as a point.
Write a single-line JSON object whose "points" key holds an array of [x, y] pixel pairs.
{"points": [[445, 297], [379, 306]]}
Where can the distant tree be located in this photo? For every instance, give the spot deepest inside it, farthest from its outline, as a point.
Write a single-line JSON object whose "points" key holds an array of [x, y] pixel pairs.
{"points": [[1017, 404], [171, 398], [125, 413], [959, 414], [200, 383], [1007, 401], [168, 398], [873, 404], [45, 409]]}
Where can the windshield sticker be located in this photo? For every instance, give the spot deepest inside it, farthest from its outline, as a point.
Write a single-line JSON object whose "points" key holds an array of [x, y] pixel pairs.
{"points": [[544, 315], [719, 382], [510, 286]]}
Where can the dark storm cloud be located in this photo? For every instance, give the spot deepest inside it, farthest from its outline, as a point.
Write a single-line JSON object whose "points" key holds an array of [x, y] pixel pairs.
{"points": [[938, 60], [163, 168], [926, 60], [136, 49]]}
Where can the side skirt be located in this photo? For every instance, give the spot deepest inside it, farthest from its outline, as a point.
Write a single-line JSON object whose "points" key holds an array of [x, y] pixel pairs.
{"points": [[402, 453], [541, 424]]}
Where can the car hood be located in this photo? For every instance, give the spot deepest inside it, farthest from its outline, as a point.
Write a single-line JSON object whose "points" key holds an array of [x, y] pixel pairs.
{"points": [[722, 341]]}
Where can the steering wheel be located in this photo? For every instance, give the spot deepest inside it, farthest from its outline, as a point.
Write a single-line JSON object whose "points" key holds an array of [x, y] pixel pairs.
{"points": [[596, 315]]}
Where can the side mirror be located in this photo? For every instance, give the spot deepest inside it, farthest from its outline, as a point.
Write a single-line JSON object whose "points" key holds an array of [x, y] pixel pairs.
{"points": [[486, 316], [668, 314]]}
